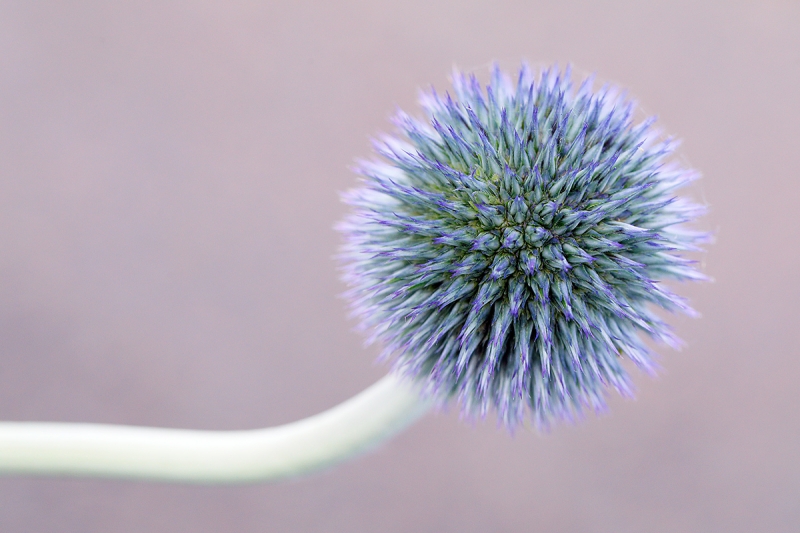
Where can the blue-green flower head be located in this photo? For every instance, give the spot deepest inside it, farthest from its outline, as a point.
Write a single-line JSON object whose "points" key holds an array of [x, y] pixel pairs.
{"points": [[509, 248]]}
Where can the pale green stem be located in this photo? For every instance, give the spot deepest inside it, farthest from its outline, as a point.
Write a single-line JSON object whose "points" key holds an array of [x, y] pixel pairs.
{"points": [[184, 455]]}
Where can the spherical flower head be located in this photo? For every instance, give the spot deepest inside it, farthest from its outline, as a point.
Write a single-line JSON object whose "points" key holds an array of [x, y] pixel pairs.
{"points": [[509, 249]]}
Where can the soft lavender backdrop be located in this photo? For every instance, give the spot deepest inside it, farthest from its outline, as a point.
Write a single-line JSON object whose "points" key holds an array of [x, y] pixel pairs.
{"points": [[168, 183]]}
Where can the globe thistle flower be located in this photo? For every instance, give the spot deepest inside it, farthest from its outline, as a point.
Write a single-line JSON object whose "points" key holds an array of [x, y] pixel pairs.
{"points": [[509, 248]]}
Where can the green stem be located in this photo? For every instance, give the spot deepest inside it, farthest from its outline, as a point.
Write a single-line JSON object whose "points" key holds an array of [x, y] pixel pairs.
{"points": [[183, 455]]}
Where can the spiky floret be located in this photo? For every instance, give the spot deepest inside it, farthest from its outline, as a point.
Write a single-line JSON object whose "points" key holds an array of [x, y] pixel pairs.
{"points": [[509, 247]]}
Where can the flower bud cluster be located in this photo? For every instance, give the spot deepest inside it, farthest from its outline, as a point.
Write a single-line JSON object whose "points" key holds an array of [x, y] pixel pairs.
{"points": [[509, 248]]}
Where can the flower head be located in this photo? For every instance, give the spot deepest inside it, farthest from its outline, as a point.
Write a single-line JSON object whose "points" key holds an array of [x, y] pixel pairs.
{"points": [[509, 247]]}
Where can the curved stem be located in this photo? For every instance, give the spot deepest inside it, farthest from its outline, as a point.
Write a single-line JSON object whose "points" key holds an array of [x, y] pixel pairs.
{"points": [[314, 443]]}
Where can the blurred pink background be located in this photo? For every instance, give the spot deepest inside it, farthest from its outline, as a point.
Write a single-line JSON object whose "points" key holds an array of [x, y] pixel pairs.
{"points": [[169, 175]]}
